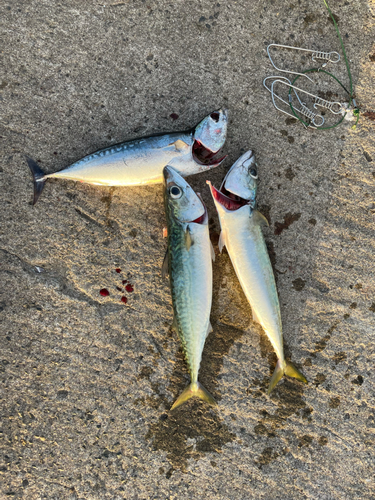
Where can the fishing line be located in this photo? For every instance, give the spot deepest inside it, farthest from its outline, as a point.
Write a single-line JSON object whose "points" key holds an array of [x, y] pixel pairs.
{"points": [[319, 70]]}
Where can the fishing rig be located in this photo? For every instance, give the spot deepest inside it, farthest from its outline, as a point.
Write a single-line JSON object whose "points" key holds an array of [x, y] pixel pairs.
{"points": [[300, 110]]}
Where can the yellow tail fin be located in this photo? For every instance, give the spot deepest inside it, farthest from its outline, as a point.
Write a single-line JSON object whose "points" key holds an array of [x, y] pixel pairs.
{"points": [[290, 370], [195, 389]]}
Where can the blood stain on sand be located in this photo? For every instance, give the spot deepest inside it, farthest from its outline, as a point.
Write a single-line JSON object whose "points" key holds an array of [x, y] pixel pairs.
{"points": [[104, 292], [124, 281], [118, 270], [129, 288], [124, 300]]}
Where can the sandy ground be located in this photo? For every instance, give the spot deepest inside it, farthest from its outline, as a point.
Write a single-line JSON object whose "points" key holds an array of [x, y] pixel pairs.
{"points": [[87, 381]]}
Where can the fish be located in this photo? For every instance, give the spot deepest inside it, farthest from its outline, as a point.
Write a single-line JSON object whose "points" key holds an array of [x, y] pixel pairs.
{"points": [[141, 161], [188, 262], [241, 233]]}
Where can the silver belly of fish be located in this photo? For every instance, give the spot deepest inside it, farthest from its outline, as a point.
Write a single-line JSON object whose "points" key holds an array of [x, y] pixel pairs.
{"points": [[241, 234], [248, 252]]}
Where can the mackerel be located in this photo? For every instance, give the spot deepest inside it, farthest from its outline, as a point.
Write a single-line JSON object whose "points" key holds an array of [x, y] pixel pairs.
{"points": [[141, 161], [188, 261], [241, 233]]}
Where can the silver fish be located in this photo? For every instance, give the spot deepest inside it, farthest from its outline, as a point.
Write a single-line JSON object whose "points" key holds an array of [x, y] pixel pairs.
{"points": [[188, 261], [241, 233], [141, 161]]}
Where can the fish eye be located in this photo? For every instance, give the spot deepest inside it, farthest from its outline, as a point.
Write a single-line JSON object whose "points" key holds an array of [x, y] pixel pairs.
{"points": [[215, 116], [175, 192], [254, 173]]}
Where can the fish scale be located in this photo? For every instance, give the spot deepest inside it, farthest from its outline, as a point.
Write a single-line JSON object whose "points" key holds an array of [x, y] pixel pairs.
{"points": [[141, 161], [241, 234], [249, 255], [192, 309], [190, 271], [107, 167]]}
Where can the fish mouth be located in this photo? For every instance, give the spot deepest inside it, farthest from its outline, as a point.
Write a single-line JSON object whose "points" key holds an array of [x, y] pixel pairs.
{"points": [[199, 220], [228, 200], [234, 183], [204, 156]]}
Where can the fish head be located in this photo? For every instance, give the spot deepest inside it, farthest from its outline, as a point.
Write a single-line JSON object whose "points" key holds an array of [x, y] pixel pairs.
{"points": [[239, 186], [181, 202], [209, 137], [211, 132], [242, 179]]}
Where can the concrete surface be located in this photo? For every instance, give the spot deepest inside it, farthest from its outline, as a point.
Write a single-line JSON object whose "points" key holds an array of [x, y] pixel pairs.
{"points": [[87, 381]]}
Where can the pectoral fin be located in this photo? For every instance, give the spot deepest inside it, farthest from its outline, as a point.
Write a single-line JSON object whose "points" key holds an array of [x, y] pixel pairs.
{"points": [[259, 218], [188, 240], [179, 146], [165, 266]]}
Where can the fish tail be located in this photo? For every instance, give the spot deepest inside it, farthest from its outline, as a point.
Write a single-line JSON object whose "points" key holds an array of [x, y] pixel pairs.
{"points": [[39, 178], [195, 389], [288, 369]]}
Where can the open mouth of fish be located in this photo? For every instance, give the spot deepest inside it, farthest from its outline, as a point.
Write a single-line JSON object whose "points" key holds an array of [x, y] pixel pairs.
{"points": [[204, 156], [229, 200], [200, 219]]}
